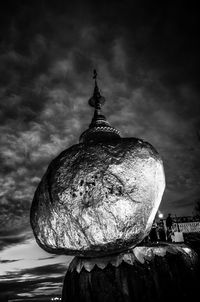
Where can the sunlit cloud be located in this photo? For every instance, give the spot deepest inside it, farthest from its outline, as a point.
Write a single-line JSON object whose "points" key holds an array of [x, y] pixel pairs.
{"points": [[36, 270]]}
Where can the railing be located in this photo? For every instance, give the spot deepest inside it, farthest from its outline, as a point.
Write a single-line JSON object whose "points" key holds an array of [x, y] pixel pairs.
{"points": [[186, 227]]}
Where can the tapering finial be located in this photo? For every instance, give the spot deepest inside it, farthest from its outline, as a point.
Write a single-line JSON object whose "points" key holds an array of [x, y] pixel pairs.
{"points": [[99, 128], [94, 74], [97, 100]]}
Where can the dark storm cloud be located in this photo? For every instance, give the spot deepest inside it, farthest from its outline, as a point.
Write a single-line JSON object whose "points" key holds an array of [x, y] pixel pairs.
{"points": [[17, 237], [33, 282], [38, 272], [148, 59], [8, 261], [50, 257], [31, 288]]}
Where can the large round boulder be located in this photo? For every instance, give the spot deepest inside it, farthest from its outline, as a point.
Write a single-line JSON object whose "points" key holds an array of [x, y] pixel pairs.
{"points": [[98, 198]]}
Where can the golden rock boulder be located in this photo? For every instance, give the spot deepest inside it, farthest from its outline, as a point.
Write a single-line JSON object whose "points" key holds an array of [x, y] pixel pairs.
{"points": [[99, 196]]}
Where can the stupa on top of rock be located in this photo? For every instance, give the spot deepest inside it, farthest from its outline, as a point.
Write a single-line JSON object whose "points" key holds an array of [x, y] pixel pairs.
{"points": [[99, 128], [100, 196]]}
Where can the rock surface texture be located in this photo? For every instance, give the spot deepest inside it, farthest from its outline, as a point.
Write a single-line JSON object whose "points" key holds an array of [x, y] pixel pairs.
{"points": [[98, 198]]}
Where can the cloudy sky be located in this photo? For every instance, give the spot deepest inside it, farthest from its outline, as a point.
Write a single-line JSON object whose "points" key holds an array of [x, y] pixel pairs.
{"points": [[147, 57]]}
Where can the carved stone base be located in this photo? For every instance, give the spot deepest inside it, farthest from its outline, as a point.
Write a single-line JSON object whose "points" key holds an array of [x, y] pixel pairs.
{"points": [[159, 272]]}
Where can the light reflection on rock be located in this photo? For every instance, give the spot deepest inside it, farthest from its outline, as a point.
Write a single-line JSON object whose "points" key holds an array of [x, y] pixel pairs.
{"points": [[98, 198]]}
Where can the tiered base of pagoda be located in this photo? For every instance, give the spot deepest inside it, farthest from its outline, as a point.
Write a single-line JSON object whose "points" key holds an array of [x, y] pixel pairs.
{"points": [[158, 272]]}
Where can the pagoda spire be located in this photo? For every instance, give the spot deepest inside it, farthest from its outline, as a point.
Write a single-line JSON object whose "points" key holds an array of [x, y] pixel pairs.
{"points": [[97, 100], [99, 128]]}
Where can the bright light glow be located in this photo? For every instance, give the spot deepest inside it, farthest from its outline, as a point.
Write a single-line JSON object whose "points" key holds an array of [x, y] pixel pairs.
{"points": [[160, 215]]}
